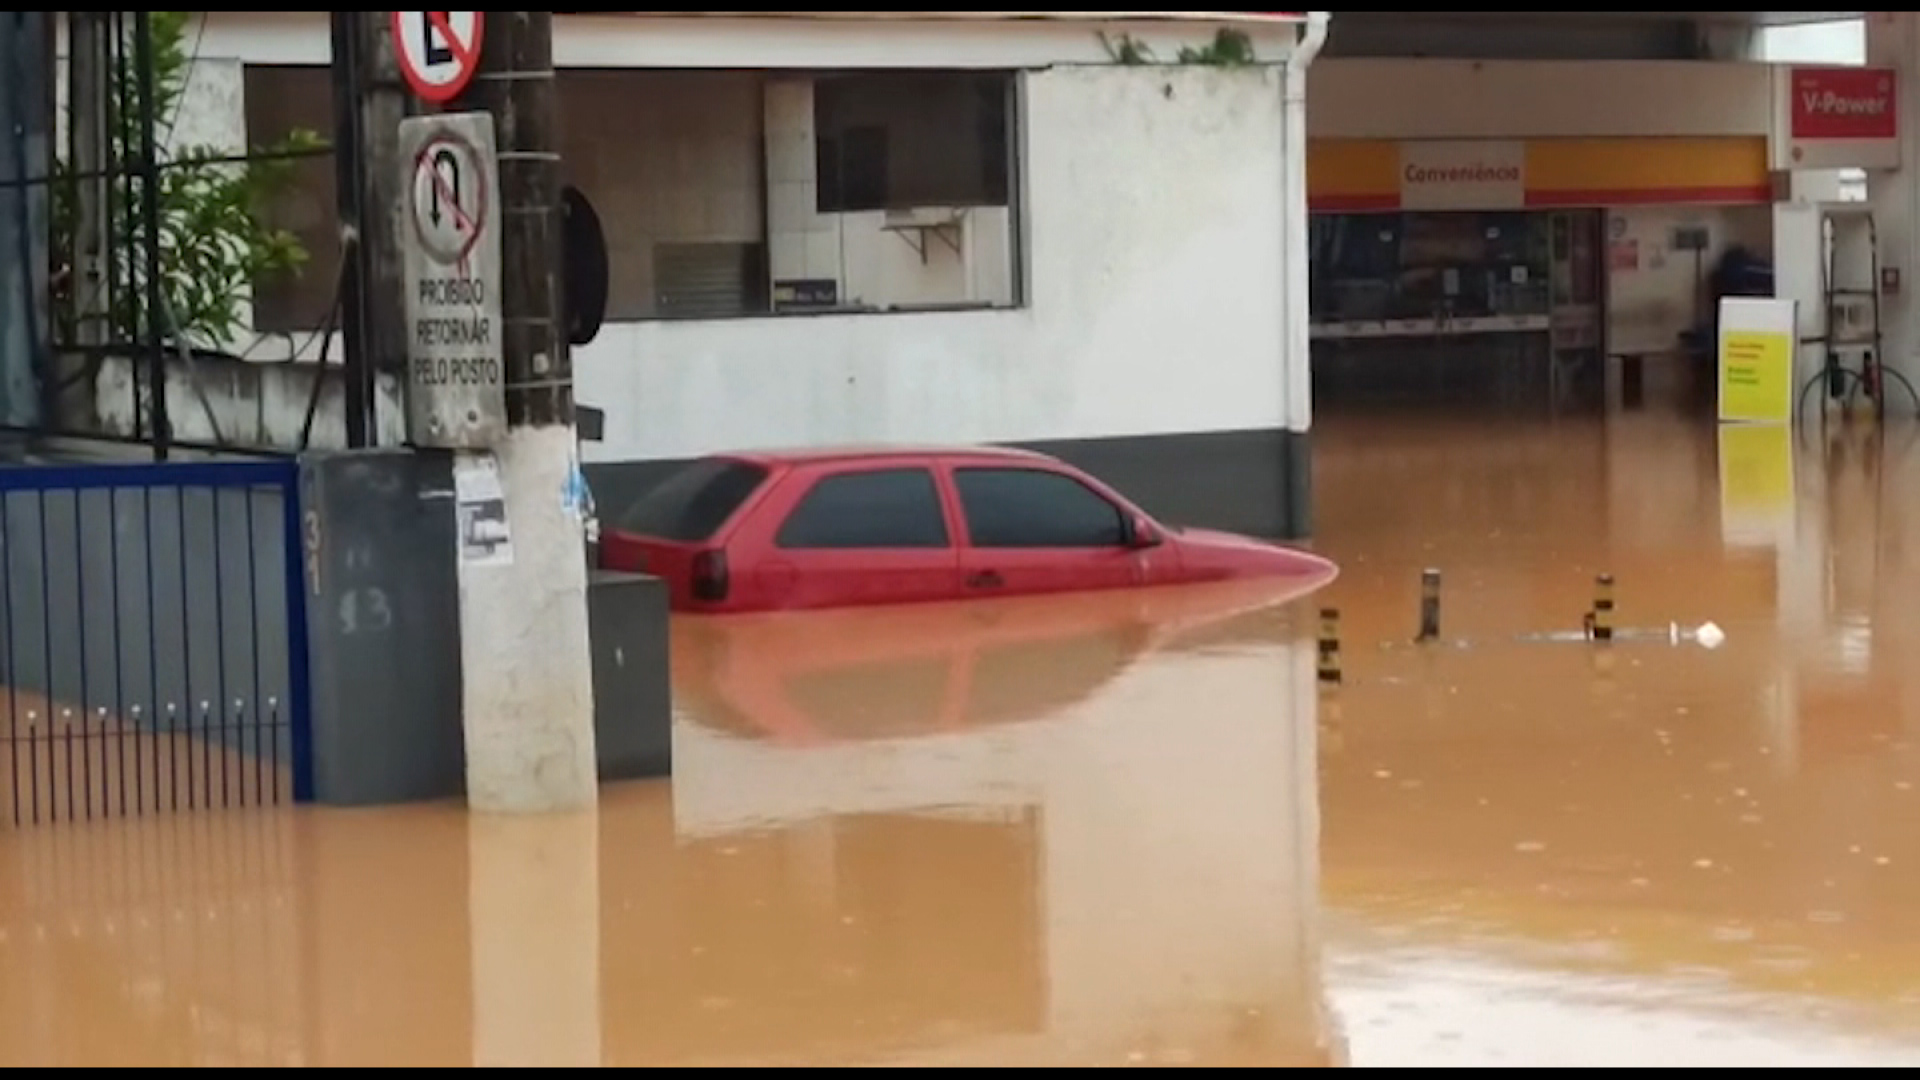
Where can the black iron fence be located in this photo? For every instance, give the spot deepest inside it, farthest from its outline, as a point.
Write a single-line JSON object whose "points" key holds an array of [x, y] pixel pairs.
{"points": [[125, 248]]}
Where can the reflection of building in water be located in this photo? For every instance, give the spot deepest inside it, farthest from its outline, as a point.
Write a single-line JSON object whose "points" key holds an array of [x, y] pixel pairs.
{"points": [[235, 940], [117, 942], [1104, 852], [1138, 797]]}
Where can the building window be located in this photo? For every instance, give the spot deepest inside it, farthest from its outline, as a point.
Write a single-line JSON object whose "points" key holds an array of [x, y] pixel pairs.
{"points": [[674, 164], [905, 140], [279, 101], [909, 199], [730, 194], [1456, 265]]}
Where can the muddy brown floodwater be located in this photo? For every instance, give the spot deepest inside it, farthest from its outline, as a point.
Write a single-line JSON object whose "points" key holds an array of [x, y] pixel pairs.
{"points": [[1130, 829]]}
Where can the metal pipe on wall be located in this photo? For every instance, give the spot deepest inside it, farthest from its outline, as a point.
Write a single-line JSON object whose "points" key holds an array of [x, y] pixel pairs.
{"points": [[349, 191], [89, 280], [1295, 237], [22, 217], [151, 305], [1295, 227]]}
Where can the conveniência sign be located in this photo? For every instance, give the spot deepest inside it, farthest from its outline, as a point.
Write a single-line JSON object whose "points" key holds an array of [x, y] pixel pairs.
{"points": [[1478, 172]]}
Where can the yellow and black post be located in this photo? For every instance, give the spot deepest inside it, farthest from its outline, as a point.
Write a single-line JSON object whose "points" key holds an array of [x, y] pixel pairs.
{"points": [[1429, 606], [1603, 608], [1329, 666]]}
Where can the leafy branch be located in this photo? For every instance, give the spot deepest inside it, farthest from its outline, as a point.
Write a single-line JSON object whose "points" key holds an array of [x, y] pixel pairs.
{"points": [[1126, 49], [1229, 48]]}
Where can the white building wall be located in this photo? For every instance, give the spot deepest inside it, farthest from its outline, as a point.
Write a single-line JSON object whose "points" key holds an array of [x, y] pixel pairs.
{"points": [[1662, 294], [974, 40], [1148, 247], [1154, 260], [1514, 99]]}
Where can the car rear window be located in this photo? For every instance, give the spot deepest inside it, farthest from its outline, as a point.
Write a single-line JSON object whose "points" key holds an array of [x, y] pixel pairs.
{"points": [[692, 504]]}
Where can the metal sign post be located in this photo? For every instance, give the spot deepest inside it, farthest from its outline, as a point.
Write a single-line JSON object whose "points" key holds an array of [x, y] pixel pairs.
{"points": [[450, 251], [438, 50]]}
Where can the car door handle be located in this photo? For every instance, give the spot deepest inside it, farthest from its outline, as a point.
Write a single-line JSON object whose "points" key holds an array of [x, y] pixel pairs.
{"points": [[985, 579]]}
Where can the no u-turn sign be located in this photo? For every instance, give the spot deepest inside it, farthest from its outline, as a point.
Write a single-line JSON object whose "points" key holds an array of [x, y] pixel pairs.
{"points": [[439, 51]]}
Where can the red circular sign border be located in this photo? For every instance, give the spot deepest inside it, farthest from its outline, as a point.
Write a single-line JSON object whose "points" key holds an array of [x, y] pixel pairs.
{"points": [[455, 139], [424, 90]]}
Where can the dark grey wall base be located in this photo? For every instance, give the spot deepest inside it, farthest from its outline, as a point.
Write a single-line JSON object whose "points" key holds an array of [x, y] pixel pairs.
{"points": [[1251, 482], [632, 676], [1298, 454], [1254, 482]]}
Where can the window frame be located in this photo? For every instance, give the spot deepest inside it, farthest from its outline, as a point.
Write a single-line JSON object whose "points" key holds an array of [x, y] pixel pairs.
{"points": [[719, 465], [294, 303], [812, 482], [766, 294], [1123, 513], [840, 191]]}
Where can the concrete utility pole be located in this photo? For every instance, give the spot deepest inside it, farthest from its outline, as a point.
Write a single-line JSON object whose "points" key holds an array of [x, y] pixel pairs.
{"points": [[369, 103], [528, 673]]}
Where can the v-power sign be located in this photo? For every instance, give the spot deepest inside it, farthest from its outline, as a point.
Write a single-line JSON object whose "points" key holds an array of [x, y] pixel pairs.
{"points": [[438, 50]]}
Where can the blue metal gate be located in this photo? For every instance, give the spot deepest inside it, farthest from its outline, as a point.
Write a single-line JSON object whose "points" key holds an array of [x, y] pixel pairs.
{"points": [[153, 639]]}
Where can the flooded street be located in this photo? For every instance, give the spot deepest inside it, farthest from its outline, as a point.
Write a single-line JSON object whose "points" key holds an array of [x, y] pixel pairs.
{"points": [[1131, 829], [1556, 854]]}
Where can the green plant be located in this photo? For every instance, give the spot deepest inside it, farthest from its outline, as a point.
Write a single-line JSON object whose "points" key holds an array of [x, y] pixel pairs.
{"points": [[1126, 49], [1229, 48], [214, 237]]}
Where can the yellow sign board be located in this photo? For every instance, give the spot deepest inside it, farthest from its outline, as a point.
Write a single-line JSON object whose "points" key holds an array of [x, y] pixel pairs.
{"points": [[1756, 360]]}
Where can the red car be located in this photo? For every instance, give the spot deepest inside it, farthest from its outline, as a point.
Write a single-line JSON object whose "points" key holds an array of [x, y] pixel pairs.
{"points": [[805, 529]]}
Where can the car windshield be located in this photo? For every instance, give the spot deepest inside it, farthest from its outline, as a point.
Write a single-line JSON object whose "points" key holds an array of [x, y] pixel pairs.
{"points": [[692, 504]]}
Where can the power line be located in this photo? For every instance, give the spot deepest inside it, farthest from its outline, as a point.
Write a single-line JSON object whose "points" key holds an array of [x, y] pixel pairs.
{"points": [[193, 63]]}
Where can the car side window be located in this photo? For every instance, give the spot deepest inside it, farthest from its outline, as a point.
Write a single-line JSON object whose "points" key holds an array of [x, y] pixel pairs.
{"points": [[878, 508], [1036, 508]]}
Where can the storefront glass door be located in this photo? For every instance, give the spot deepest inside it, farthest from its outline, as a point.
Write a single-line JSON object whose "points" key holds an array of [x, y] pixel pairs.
{"points": [[1577, 315], [1433, 305]]}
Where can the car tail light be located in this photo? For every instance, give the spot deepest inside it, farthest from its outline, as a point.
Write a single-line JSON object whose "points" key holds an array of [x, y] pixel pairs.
{"points": [[710, 576]]}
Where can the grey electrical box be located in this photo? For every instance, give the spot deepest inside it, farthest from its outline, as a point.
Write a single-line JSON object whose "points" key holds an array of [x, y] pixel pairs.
{"points": [[632, 676], [383, 618]]}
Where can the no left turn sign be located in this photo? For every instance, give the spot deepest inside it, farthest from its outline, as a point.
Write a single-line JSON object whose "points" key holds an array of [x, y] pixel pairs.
{"points": [[438, 50]]}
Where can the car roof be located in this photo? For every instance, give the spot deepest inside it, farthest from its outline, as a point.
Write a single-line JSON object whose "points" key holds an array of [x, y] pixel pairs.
{"points": [[823, 455]]}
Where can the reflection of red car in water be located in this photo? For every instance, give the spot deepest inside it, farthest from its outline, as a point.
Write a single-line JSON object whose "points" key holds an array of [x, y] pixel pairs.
{"points": [[849, 528], [858, 675]]}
